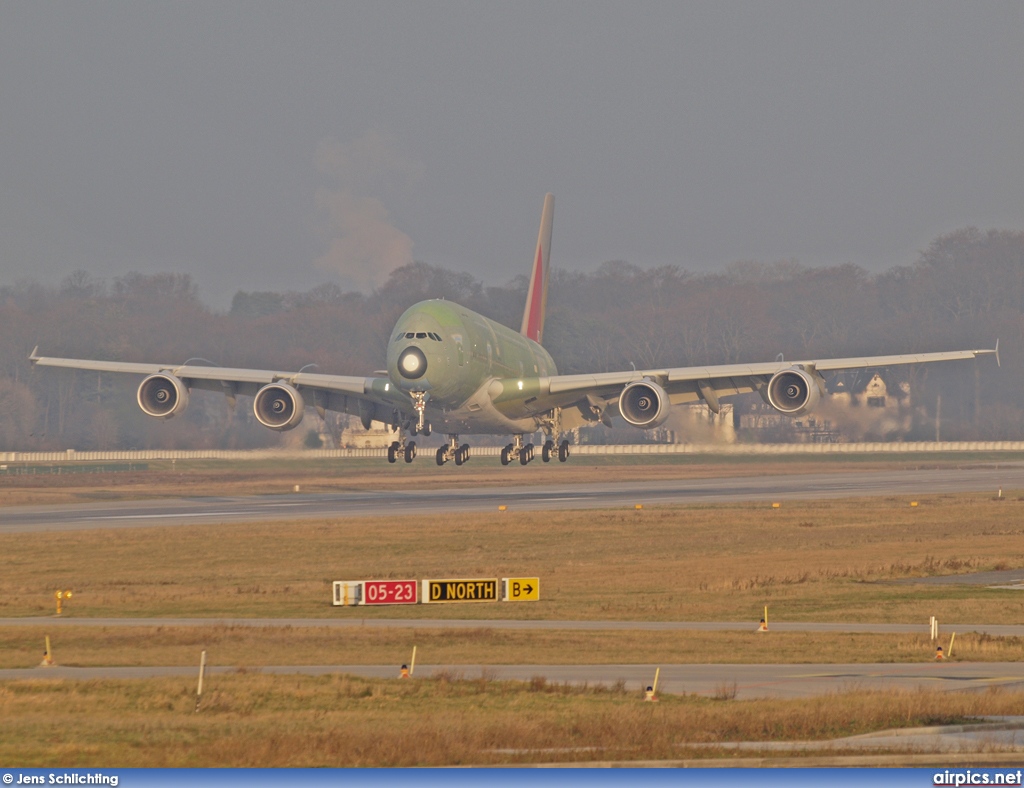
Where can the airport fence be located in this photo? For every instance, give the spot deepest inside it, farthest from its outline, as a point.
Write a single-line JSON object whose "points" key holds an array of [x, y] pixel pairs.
{"points": [[924, 447]]}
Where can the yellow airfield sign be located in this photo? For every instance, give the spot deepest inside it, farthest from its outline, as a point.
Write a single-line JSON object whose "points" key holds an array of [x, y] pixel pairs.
{"points": [[521, 589], [460, 590]]}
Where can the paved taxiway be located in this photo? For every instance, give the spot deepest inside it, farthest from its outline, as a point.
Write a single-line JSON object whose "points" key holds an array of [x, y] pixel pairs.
{"points": [[351, 622], [781, 487], [751, 681]]}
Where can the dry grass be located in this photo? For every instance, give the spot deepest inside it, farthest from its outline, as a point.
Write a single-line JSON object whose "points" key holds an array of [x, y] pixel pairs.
{"points": [[253, 720], [827, 561], [21, 647]]}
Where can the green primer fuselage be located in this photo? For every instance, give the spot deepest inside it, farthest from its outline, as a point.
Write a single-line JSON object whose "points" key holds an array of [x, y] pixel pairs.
{"points": [[479, 375]]}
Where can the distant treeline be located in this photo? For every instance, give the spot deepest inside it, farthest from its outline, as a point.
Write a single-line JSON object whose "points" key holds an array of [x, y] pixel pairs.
{"points": [[964, 291]]}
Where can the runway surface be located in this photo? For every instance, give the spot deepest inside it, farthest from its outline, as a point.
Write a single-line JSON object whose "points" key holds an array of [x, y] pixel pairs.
{"points": [[747, 681], [780, 487], [350, 622]]}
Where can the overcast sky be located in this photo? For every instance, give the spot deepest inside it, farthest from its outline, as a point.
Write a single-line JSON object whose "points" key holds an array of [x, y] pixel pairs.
{"points": [[263, 146]]}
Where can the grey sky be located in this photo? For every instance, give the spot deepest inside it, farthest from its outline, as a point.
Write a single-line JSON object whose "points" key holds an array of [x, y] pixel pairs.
{"points": [[278, 146]]}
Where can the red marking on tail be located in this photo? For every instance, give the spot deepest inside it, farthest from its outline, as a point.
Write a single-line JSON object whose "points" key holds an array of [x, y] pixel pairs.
{"points": [[535, 312]]}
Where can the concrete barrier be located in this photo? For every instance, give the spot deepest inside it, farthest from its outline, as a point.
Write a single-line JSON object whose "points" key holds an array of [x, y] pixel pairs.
{"points": [[493, 451]]}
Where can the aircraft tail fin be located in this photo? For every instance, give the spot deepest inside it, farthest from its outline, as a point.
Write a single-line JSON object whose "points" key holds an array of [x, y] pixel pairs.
{"points": [[537, 295]]}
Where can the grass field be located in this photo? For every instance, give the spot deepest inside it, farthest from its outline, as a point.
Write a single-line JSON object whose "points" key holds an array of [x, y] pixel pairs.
{"points": [[252, 720], [809, 561]]}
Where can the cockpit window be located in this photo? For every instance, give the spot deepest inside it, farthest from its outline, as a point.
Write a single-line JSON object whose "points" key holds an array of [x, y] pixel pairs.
{"points": [[410, 335], [398, 337], [421, 335], [433, 336]]}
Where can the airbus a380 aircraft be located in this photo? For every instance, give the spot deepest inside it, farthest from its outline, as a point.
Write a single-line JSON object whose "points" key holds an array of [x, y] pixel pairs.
{"points": [[453, 370]]}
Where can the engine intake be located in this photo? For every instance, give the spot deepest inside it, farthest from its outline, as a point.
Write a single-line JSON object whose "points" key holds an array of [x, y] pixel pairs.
{"points": [[279, 406], [793, 391], [644, 404], [162, 395]]}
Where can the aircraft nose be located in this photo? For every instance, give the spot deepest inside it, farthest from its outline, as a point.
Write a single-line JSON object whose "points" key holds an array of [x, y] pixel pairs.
{"points": [[412, 364]]}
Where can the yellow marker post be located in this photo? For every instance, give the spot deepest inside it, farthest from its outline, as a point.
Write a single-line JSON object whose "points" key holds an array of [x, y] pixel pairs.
{"points": [[648, 694], [48, 655], [502, 508], [412, 662], [949, 651], [913, 503], [766, 616], [776, 505], [638, 506]]}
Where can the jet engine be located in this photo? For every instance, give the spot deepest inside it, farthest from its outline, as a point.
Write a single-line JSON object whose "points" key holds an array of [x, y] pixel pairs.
{"points": [[162, 395], [279, 406], [644, 404], [793, 391]]}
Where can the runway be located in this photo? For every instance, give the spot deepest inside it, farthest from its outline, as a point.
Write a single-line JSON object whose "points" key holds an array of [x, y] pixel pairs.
{"points": [[541, 497], [739, 681]]}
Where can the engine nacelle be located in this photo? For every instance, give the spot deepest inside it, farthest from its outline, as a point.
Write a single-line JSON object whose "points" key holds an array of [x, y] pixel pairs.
{"points": [[162, 395], [793, 391], [279, 406], [644, 404]]}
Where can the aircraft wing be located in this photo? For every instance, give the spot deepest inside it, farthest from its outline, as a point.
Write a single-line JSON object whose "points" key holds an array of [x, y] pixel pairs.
{"points": [[368, 397], [597, 393]]}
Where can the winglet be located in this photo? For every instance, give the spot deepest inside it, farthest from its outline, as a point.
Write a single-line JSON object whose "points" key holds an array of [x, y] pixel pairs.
{"points": [[537, 295], [34, 355], [996, 351]]}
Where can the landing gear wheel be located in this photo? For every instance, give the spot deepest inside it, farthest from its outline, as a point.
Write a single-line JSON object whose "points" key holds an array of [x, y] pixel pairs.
{"points": [[504, 456], [563, 451], [426, 429], [441, 459], [410, 451], [459, 458], [526, 454], [465, 452], [393, 452], [545, 452]]}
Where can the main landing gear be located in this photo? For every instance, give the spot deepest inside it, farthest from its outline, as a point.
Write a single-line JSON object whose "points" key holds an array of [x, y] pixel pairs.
{"points": [[453, 451], [551, 449], [517, 450], [402, 448]]}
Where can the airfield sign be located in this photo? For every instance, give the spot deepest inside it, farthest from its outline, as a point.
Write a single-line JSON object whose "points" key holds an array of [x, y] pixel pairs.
{"points": [[389, 592], [460, 590], [521, 589]]}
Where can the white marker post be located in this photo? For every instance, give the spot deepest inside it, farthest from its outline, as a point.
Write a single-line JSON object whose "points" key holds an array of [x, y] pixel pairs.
{"points": [[202, 672]]}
